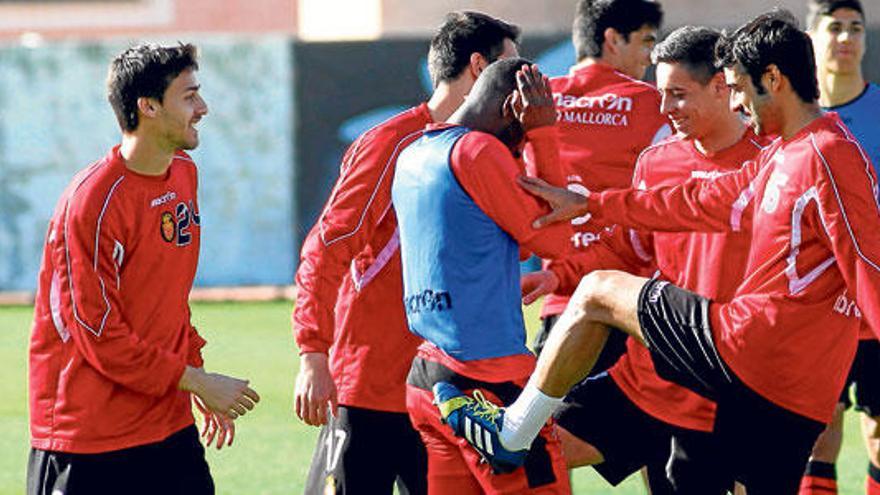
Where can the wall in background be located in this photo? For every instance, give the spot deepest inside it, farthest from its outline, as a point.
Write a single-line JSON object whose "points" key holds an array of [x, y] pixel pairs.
{"points": [[282, 114], [55, 120]]}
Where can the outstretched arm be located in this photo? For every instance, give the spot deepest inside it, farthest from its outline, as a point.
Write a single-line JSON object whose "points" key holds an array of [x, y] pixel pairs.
{"points": [[703, 205]]}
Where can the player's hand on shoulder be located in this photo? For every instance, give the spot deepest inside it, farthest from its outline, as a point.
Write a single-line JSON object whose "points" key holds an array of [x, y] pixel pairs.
{"points": [[533, 100], [537, 284], [315, 389], [565, 204]]}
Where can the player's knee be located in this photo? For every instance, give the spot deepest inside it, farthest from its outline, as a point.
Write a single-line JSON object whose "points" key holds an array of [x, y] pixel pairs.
{"points": [[596, 289]]}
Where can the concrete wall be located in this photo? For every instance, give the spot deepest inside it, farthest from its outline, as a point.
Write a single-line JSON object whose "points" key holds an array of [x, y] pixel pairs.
{"points": [[403, 18], [100, 19], [54, 120], [342, 19]]}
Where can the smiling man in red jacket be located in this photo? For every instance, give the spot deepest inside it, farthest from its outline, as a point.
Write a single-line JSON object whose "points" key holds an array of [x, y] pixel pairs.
{"points": [[114, 357]]}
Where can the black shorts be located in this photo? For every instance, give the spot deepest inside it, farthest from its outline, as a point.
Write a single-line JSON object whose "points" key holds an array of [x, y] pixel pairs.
{"points": [[368, 451], [615, 346], [675, 324], [174, 466], [762, 445], [864, 379], [597, 412]]}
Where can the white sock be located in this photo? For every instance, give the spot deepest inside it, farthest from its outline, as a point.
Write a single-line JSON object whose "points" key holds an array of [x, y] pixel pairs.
{"points": [[524, 418]]}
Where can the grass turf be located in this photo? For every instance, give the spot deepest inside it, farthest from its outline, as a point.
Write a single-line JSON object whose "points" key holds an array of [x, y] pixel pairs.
{"points": [[272, 449]]}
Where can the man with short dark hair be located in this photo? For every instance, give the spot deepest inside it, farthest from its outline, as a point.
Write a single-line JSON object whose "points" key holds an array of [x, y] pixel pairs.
{"points": [[624, 419], [349, 321], [618, 32], [606, 117], [776, 355], [114, 358], [463, 221], [837, 28]]}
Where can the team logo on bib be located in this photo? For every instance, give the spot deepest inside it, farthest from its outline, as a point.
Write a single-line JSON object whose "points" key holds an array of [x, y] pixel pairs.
{"points": [[168, 227]]}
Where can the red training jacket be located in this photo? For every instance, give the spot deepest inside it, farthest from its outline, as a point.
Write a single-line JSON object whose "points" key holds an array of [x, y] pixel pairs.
{"points": [[605, 119], [809, 202], [112, 332], [349, 281]]}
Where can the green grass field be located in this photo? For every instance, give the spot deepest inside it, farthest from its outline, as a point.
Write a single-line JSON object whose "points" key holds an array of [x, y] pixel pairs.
{"points": [[272, 448]]}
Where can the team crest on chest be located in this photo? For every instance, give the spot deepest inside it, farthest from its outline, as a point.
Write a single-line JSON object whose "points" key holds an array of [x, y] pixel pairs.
{"points": [[176, 226], [168, 227]]}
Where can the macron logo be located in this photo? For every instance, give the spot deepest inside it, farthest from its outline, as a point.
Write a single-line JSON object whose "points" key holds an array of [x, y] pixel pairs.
{"points": [[161, 200], [605, 110], [427, 300], [609, 101]]}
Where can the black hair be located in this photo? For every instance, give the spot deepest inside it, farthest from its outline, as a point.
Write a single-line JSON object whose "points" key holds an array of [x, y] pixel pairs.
{"points": [[145, 71], [693, 48], [491, 90], [497, 81], [772, 38], [593, 17], [462, 34], [819, 8]]}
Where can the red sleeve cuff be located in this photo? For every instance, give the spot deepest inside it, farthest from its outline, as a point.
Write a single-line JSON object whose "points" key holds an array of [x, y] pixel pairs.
{"points": [[196, 343], [313, 347], [177, 374]]}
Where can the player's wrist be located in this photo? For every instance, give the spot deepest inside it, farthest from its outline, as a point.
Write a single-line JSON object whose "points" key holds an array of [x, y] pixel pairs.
{"points": [[192, 380], [314, 360]]}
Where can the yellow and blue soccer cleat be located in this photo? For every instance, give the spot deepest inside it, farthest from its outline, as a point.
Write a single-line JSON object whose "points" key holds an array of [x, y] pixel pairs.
{"points": [[478, 421]]}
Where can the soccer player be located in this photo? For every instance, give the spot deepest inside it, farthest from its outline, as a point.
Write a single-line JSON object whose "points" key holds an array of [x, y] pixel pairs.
{"points": [[114, 358], [625, 419], [837, 28], [349, 321], [606, 117], [775, 357], [463, 221]]}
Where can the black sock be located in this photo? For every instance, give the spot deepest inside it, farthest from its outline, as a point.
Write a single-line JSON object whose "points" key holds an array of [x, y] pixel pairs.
{"points": [[827, 470]]}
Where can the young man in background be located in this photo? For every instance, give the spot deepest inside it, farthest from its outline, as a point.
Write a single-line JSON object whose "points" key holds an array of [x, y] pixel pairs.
{"points": [[606, 117], [837, 28]]}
